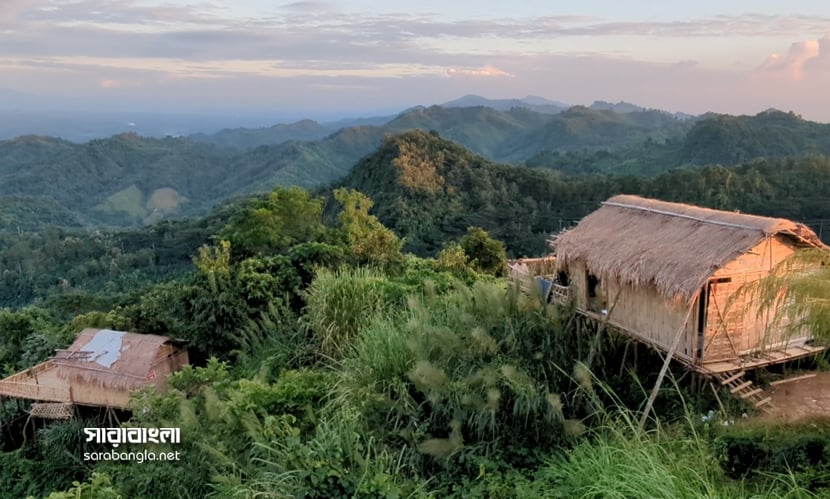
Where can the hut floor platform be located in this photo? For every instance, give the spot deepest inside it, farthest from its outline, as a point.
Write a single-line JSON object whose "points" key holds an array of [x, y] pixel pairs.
{"points": [[757, 360], [752, 360], [38, 383]]}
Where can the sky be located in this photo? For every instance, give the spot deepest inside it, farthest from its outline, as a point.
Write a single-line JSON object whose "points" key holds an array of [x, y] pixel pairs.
{"points": [[356, 57]]}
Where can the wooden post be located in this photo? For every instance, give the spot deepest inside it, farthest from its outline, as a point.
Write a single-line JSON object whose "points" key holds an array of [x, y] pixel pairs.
{"points": [[601, 328], [663, 370], [720, 404]]}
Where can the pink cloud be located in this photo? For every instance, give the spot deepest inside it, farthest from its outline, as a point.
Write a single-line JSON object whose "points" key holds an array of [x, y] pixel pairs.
{"points": [[801, 56]]}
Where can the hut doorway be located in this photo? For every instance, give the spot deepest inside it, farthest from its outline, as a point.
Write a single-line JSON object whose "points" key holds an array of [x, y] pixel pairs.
{"points": [[596, 298], [702, 307]]}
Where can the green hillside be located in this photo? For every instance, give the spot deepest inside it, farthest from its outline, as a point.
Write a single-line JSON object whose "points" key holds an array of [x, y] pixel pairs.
{"points": [[128, 180], [429, 190], [712, 139]]}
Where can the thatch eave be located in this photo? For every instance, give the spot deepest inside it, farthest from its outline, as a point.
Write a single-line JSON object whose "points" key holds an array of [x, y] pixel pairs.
{"points": [[673, 247]]}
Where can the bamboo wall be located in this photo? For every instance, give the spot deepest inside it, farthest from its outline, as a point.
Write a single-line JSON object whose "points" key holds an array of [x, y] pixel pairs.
{"points": [[734, 326], [652, 317], [642, 312]]}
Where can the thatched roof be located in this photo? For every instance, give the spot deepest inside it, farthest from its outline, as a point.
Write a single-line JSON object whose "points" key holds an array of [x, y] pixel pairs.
{"points": [[111, 359], [674, 247]]}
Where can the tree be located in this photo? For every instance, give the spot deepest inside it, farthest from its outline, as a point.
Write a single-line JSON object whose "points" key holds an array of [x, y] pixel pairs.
{"points": [[485, 254], [288, 216], [369, 241]]}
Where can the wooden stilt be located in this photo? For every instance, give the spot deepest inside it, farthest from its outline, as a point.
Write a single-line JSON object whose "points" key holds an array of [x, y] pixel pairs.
{"points": [[720, 404], [600, 328], [624, 356], [663, 370]]}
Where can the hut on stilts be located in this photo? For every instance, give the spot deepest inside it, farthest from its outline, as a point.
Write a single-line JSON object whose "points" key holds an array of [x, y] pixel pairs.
{"points": [[101, 368]]}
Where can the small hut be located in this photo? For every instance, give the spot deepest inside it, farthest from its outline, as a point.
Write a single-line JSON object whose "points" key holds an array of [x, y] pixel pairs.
{"points": [[667, 274], [100, 368]]}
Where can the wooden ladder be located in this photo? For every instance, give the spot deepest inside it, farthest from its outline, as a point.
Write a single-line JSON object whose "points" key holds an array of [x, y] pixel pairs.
{"points": [[736, 384]]}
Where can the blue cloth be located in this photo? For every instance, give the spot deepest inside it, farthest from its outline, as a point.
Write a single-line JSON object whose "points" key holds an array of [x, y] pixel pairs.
{"points": [[545, 285]]}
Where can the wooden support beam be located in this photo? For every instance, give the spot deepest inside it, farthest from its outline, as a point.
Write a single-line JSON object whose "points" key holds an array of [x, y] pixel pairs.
{"points": [[601, 328], [662, 374], [720, 404]]}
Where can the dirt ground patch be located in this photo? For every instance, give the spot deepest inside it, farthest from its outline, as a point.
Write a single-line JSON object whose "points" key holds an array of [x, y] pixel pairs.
{"points": [[806, 397]]}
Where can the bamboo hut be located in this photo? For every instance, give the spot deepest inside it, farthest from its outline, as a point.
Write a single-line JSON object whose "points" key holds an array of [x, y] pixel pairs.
{"points": [[667, 274], [100, 368]]}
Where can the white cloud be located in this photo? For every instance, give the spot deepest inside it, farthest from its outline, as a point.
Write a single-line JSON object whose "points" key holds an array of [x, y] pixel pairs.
{"points": [[482, 71]]}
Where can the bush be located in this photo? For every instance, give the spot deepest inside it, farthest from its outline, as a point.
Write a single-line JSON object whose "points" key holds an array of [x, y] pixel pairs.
{"points": [[764, 448]]}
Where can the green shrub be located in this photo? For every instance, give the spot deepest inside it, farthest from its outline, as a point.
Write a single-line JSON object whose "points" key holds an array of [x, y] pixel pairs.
{"points": [[762, 448]]}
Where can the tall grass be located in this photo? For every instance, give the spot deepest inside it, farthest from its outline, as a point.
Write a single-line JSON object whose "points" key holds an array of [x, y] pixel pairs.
{"points": [[619, 460], [373, 377], [340, 303], [339, 460]]}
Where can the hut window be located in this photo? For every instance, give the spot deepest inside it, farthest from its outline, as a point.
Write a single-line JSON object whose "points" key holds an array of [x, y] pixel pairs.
{"points": [[562, 278]]}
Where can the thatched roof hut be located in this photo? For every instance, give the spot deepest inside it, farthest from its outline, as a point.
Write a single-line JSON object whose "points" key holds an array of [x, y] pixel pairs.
{"points": [[100, 368], [669, 273], [674, 247]]}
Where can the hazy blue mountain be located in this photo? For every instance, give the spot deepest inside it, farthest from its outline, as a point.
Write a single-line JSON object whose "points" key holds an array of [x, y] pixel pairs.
{"points": [[349, 122], [534, 103], [248, 138]]}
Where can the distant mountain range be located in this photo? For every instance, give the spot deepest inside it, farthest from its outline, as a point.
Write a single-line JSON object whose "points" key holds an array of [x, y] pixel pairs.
{"points": [[538, 104], [77, 121], [128, 179]]}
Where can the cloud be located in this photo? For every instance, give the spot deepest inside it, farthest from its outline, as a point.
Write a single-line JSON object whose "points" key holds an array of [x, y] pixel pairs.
{"points": [[812, 55], [210, 51], [482, 71], [313, 6]]}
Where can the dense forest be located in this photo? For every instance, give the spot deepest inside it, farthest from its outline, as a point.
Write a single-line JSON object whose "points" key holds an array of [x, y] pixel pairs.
{"points": [[360, 339]]}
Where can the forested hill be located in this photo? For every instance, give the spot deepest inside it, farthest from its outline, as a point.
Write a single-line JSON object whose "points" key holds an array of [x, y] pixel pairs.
{"points": [[731, 140], [507, 134], [429, 190], [128, 180], [712, 139]]}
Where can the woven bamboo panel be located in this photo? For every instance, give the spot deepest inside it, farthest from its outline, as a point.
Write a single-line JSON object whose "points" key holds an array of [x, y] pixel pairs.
{"points": [[51, 411], [34, 391]]}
